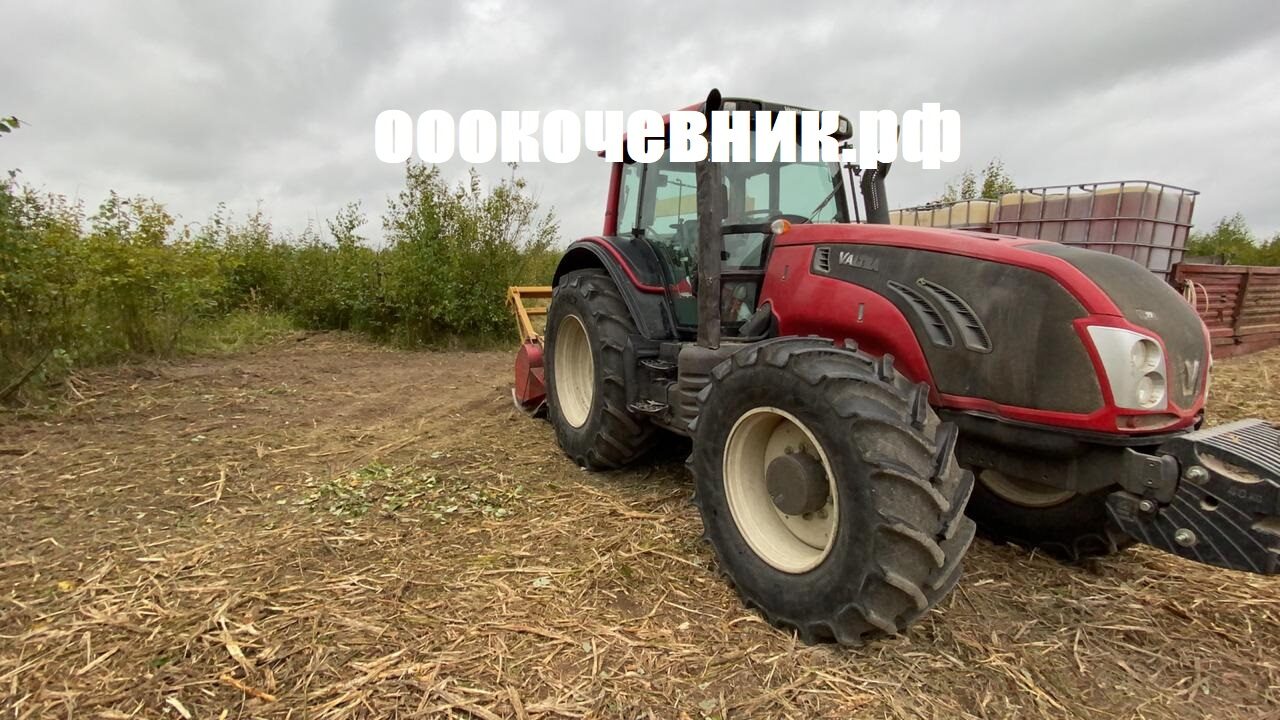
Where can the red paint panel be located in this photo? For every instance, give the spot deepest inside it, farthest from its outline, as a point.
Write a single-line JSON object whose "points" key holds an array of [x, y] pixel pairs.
{"points": [[529, 388], [981, 246], [611, 204], [1079, 421], [808, 304]]}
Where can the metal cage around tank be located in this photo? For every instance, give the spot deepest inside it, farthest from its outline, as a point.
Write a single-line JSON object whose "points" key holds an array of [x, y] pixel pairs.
{"points": [[1144, 221], [976, 214]]}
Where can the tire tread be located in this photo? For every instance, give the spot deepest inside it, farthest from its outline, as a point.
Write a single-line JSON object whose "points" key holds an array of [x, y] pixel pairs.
{"points": [[621, 438], [918, 562]]}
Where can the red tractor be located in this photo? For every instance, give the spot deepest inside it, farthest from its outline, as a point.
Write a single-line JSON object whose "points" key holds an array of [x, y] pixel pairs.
{"points": [[843, 382]]}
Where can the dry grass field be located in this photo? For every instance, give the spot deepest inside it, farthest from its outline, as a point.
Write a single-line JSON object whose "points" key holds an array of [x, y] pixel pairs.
{"points": [[322, 528]]}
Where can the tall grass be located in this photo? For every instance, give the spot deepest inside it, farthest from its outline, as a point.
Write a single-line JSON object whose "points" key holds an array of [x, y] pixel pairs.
{"points": [[126, 281]]}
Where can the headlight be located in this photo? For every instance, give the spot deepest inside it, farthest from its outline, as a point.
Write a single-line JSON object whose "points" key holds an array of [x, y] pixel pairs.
{"points": [[1134, 365], [1145, 355], [1150, 390]]}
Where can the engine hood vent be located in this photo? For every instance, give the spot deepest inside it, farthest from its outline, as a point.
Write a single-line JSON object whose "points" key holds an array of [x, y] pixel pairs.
{"points": [[934, 325], [972, 333], [822, 260]]}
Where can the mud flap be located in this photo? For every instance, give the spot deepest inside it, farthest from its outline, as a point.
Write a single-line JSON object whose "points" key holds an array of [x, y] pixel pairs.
{"points": [[1225, 507]]}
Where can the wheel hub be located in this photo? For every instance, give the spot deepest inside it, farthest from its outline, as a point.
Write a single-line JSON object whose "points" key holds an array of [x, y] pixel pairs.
{"points": [[797, 483], [574, 370], [780, 489]]}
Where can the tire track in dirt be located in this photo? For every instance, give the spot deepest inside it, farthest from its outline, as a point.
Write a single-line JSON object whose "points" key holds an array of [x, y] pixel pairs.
{"points": [[155, 540]]}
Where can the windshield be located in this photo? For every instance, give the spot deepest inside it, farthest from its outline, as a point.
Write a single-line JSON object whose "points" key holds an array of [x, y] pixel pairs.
{"points": [[758, 191], [754, 193]]}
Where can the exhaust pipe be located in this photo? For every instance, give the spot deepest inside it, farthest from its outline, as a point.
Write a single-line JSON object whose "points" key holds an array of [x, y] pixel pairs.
{"points": [[711, 214], [873, 193]]}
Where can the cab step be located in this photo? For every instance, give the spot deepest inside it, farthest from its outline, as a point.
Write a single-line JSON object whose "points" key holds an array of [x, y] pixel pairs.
{"points": [[658, 366], [647, 407]]}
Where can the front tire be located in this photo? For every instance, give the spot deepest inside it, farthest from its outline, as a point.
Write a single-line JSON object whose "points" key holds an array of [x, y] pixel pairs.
{"points": [[885, 546], [588, 327], [1065, 525]]}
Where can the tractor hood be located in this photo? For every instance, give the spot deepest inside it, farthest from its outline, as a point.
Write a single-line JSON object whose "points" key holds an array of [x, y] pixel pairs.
{"points": [[1008, 319], [1002, 249]]}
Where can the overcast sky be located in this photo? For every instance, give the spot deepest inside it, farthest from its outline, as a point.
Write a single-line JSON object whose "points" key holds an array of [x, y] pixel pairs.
{"points": [[197, 103]]}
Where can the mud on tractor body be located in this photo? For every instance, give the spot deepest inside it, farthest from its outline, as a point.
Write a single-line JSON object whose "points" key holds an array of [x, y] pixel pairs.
{"points": [[844, 383]]}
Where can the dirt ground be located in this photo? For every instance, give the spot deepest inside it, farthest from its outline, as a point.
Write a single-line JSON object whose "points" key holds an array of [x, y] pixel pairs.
{"points": [[322, 528]]}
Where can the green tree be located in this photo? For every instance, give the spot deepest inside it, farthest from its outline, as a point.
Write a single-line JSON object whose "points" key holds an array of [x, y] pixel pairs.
{"points": [[145, 282], [454, 251], [1269, 252], [41, 266], [1232, 239], [994, 182], [127, 281]]}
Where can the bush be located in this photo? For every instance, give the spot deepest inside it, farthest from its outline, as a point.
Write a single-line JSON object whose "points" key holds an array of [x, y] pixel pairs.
{"points": [[1232, 240], [40, 256], [70, 297], [455, 251], [127, 282], [141, 286]]}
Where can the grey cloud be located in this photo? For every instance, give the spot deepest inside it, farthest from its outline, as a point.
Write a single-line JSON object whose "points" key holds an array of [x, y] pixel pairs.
{"points": [[199, 103]]}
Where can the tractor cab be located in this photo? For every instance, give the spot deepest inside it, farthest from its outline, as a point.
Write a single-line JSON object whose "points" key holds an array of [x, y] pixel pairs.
{"points": [[657, 206]]}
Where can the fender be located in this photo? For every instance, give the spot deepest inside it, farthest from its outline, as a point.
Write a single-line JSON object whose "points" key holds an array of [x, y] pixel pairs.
{"points": [[639, 282], [807, 304]]}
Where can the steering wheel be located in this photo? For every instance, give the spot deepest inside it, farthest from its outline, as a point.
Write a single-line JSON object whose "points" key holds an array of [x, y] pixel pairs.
{"points": [[767, 217], [789, 217], [762, 215]]}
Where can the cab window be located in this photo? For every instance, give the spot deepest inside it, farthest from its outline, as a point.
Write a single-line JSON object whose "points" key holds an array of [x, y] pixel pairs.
{"points": [[669, 216], [629, 198], [753, 192]]}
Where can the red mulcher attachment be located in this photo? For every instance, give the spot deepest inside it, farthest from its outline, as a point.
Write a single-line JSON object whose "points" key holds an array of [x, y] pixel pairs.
{"points": [[530, 390]]}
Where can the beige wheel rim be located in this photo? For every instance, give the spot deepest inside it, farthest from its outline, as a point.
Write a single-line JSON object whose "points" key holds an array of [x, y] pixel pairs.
{"points": [[575, 371], [790, 543], [1026, 493]]}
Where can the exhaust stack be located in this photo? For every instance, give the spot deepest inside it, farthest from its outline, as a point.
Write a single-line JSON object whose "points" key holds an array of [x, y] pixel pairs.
{"points": [[711, 214], [873, 193]]}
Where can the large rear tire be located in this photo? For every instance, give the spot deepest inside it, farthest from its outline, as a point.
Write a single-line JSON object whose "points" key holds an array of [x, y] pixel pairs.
{"points": [[1065, 525], [784, 422], [588, 326]]}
